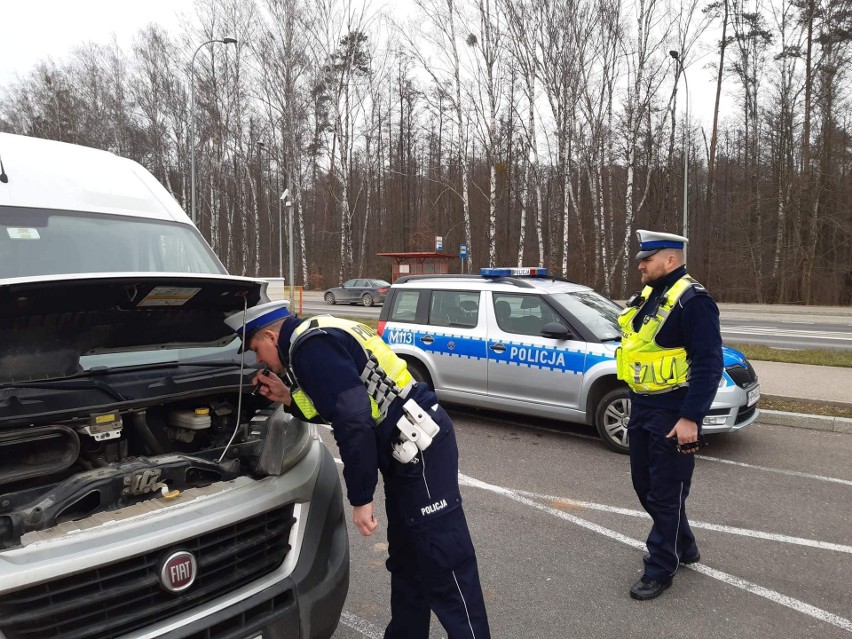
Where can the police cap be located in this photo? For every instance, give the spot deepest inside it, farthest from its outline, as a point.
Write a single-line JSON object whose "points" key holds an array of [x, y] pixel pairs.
{"points": [[257, 317], [650, 242]]}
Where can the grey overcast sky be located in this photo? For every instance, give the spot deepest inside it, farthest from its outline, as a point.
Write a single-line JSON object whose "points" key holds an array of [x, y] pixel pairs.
{"points": [[36, 29]]}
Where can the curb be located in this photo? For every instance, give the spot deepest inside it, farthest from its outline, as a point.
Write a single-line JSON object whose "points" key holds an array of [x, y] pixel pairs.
{"points": [[805, 400], [802, 420]]}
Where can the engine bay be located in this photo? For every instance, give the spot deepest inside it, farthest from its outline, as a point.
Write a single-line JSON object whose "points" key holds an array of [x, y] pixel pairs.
{"points": [[71, 469]]}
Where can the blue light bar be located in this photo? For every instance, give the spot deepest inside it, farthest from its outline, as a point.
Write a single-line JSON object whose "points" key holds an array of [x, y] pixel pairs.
{"points": [[505, 271]]}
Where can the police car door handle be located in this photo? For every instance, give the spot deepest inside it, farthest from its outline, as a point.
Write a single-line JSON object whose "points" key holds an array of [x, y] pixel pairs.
{"points": [[498, 348], [428, 339]]}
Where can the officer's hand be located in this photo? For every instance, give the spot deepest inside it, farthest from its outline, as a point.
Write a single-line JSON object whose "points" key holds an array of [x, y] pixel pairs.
{"points": [[364, 520], [686, 432], [271, 387]]}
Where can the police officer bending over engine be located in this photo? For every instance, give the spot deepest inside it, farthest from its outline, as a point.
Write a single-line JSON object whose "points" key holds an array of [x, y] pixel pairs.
{"points": [[342, 373], [671, 357]]}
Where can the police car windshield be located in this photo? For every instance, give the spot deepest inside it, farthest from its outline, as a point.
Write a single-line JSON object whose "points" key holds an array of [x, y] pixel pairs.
{"points": [[596, 312]]}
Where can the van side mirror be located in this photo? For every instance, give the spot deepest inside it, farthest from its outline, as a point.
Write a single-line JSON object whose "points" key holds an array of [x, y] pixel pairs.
{"points": [[556, 330]]}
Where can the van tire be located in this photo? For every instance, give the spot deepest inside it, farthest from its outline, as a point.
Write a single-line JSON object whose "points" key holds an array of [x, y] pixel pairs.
{"points": [[611, 417]]}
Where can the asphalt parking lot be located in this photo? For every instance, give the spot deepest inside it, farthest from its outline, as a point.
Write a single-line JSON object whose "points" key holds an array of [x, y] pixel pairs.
{"points": [[560, 536]]}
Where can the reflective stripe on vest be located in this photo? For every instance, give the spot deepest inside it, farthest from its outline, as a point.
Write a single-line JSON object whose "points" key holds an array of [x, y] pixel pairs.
{"points": [[646, 366], [385, 375]]}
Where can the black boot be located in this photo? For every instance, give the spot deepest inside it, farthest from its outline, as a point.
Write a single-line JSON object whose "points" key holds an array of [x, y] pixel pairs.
{"points": [[648, 588]]}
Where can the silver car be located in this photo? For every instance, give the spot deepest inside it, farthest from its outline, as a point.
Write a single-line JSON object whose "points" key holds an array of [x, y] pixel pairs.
{"points": [[358, 291], [536, 346]]}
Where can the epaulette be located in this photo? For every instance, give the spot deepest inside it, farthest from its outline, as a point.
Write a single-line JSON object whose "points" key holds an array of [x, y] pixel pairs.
{"points": [[695, 290], [312, 330]]}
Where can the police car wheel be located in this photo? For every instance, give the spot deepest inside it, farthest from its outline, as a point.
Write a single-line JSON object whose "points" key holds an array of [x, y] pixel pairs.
{"points": [[367, 300], [419, 373], [329, 298], [611, 417]]}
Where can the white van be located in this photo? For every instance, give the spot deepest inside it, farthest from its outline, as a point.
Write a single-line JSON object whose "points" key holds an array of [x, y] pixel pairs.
{"points": [[144, 491]]}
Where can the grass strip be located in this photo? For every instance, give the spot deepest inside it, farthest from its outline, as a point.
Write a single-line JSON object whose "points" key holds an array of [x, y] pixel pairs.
{"points": [[808, 408]]}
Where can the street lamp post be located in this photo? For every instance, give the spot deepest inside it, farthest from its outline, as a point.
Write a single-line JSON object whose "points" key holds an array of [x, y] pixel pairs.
{"points": [[192, 120], [285, 198], [676, 56]]}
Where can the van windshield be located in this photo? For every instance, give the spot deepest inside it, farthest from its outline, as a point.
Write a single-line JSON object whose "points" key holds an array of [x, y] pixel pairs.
{"points": [[47, 242]]}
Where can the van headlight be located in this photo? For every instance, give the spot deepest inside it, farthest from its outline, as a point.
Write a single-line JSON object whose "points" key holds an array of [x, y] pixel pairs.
{"points": [[287, 440]]}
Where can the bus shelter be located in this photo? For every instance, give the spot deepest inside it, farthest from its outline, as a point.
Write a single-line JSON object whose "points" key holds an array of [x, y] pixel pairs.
{"points": [[419, 263]]}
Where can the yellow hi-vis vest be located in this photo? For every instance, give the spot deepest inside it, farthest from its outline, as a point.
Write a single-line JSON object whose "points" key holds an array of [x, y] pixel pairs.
{"points": [[646, 366], [385, 376]]}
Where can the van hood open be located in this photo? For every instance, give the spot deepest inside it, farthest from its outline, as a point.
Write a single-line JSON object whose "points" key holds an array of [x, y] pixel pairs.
{"points": [[47, 324]]}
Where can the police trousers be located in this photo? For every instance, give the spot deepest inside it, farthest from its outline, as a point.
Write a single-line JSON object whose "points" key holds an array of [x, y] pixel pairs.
{"points": [[430, 553], [662, 478]]}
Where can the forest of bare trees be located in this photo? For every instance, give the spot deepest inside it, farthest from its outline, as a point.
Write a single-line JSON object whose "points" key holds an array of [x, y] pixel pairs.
{"points": [[540, 132]]}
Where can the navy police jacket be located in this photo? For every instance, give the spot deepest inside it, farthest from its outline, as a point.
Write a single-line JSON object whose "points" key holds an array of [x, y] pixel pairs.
{"points": [[328, 366], [693, 324]]}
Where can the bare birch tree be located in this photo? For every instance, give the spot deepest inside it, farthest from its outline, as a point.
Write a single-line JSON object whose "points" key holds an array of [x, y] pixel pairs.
{"points": [[751, 39], [524, 23], [444, 66], [559, 72], [487, 46]]}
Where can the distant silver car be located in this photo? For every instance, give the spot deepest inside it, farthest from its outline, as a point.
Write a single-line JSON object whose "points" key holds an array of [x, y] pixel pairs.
{"points": [[358, 291], [533, 345]]}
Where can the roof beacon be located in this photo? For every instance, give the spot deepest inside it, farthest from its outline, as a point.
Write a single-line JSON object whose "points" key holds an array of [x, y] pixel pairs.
{"points": [[529, 271]]}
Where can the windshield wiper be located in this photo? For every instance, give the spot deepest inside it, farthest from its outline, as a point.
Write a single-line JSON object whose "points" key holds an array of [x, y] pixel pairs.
{"points": [[71, 384], [3, 177]]}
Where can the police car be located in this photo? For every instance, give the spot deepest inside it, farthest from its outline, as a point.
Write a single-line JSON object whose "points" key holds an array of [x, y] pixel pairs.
{"points": [[521, 341]]}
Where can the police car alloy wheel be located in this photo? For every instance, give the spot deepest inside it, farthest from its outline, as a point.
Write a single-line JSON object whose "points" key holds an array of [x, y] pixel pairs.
{"points": [[611, 417]]}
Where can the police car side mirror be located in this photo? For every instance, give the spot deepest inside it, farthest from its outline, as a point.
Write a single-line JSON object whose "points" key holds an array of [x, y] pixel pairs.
{"points": [[556, 330]]}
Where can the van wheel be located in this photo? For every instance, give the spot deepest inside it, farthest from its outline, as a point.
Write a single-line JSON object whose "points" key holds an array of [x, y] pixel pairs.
{"points": [[611, 419], [419, 373], [367, 299], [329, 298]]}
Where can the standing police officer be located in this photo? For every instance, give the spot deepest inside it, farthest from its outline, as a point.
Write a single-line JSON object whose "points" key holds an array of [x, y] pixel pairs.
{"points": [[671, 357], [342, 373]]}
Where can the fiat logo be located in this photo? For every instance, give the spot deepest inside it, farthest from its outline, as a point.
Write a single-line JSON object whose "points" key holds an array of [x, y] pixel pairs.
{"points": [[178, 571]]}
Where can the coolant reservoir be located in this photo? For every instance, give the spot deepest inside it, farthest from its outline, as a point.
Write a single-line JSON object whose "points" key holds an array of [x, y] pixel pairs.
{"points": [[197, 419]]}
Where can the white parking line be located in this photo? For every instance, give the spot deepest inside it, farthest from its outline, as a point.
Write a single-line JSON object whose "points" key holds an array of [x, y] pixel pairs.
{"points": [[792, 473], [744, 532], [367, 629], [361, 625], [766, 593]]}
